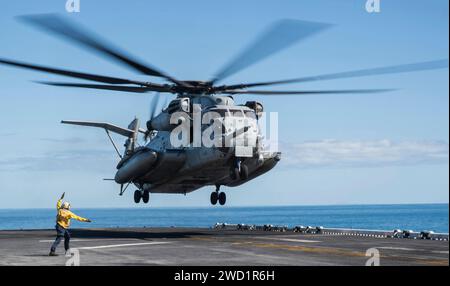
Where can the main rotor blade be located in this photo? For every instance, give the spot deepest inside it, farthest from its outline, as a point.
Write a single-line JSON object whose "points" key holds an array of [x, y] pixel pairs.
{"points": [[166, 101], [154, 105], [278, 37], [421, 66], [307, 92], [57, 25], [69, 73], [136, 89]]}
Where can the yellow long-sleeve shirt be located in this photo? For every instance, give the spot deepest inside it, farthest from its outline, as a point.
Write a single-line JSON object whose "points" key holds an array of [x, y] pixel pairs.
{"points": [[64, 216]]}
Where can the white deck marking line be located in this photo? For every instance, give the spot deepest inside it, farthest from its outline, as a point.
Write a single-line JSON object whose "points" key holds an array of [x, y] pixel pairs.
{"points": [[440, 252], [299, 240], [291, 239], [95, 239], [122, 245], [397, 248]]}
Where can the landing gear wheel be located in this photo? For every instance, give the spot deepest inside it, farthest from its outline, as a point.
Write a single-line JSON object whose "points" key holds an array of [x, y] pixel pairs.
{"points": [[222, 198], [137, 196], [214, 198], [244, 172], [145, 197], [234, 174]]}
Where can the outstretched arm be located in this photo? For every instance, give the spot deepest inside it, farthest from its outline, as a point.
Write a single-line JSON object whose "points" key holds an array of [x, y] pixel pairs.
{"points": [[79, 218]]}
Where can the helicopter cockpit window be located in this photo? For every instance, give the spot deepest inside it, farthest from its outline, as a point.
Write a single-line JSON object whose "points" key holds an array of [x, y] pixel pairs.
{"points": [[221, 112], [179, 105], [173, 106], [250, 114], [237, 113]]}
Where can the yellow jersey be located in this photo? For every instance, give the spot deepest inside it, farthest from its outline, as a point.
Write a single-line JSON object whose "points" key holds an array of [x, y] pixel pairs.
{"points": [[64, 216]]}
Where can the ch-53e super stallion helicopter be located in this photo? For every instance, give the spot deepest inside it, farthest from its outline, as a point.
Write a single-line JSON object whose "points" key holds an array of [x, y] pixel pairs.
{"points": [[160, 167]]}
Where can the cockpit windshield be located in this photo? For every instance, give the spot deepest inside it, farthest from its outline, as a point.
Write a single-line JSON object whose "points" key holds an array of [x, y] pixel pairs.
{"points": [[250, 114], [237, 113], [221, 112], [233, 112]]}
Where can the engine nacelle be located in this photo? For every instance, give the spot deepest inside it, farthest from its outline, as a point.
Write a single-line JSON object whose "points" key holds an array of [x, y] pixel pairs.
{"points": [[138, 165], [162, 121]]}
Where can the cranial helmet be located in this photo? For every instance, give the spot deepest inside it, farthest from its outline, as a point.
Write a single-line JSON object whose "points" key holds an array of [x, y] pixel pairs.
{"points": [[66, 205]]}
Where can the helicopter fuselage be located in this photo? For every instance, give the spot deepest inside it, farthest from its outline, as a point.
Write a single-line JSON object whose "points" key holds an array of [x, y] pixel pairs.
{"points": [[161, 167]]}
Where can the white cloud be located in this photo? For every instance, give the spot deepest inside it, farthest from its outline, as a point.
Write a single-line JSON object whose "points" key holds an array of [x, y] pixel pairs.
{"points": [[69, 140], [358, 153], [309, 154]]}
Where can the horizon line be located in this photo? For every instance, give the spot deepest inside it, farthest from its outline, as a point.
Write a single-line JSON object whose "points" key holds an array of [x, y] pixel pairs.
{"points": [[237, 206]]}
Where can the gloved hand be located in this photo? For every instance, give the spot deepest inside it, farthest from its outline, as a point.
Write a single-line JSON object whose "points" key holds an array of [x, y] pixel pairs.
{"points": [[62, 196], [88, 220]]}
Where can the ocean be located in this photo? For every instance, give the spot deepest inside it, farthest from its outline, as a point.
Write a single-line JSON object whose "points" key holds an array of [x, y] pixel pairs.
{"points": [[415, 217]]}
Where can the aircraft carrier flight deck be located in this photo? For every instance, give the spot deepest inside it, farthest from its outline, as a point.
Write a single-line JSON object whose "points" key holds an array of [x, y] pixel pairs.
{"points": [[222, 246]]}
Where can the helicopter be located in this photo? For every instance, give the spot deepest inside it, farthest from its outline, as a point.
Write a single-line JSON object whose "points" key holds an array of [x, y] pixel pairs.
{"points": [[159, 165]]}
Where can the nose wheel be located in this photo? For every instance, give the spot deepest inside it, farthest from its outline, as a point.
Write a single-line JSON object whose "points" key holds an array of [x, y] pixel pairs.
{"points": [[141, 195], [214, 198], [218, 196], [137, 196], [222, 198], [145, 197]]}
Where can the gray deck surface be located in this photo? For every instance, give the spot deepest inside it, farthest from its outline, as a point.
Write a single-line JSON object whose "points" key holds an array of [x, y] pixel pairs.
{"points": [[194, 246]]}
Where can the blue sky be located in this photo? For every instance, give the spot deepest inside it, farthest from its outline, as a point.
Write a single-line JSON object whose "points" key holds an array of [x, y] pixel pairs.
{"points": [[337, 149]]}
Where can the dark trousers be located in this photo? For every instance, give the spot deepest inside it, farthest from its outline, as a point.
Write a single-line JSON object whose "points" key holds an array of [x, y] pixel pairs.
{"points": [[60, 233]]}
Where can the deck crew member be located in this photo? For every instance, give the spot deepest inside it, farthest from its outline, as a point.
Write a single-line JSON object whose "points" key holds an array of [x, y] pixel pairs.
{"points": [[62, 225]]}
